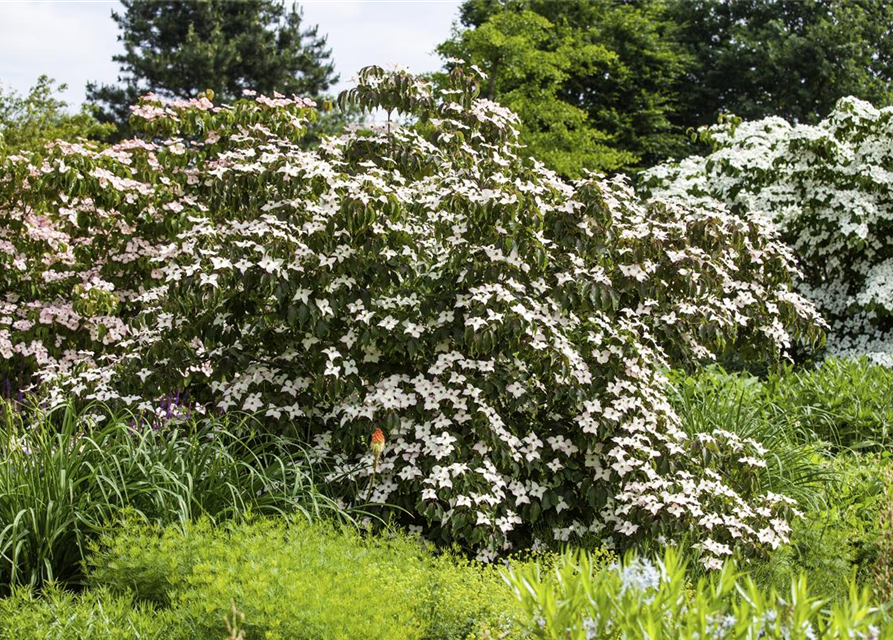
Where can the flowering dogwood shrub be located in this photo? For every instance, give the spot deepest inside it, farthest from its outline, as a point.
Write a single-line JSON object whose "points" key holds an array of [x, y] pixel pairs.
{"points": [[504, 328], [829, 187]]}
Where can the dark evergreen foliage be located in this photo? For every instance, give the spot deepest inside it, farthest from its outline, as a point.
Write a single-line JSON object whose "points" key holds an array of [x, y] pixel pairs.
{"points": [[178, 49]]}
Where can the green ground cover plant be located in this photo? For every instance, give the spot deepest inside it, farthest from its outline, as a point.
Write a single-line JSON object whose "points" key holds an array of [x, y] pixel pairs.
{"points": [[839, 538], [713, 401], [295, 579], [57, 614], [848, 403], [845, 403]]}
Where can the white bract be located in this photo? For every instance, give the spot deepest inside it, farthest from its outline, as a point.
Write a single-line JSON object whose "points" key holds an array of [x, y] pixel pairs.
{"points": [[829, 188], [506, 329]]}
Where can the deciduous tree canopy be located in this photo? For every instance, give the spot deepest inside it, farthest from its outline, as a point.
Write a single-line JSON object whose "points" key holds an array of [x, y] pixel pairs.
{"points": [[616, 85], [30, 121], [592, 81], [794, 59]]}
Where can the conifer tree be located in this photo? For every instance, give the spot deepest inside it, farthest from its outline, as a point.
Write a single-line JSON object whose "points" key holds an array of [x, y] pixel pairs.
{"points": [[178, 49]]}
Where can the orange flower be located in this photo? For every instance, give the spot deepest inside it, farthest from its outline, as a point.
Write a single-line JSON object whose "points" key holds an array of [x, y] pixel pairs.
{"points": [[377, 443]]}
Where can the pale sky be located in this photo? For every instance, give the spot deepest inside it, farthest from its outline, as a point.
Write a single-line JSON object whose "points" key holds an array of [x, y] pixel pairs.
{"points": [[74, 41]]}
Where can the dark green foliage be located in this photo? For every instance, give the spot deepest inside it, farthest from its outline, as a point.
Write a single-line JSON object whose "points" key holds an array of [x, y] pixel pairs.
{"points": [[527, 61], [28, 122], [178, 49], [65, 477], [624, 81], [759, 58], [592, 81]]}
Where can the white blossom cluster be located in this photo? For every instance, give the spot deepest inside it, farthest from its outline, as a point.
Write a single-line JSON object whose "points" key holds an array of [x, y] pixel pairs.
{"points": [[505, 329], [829, 187]]}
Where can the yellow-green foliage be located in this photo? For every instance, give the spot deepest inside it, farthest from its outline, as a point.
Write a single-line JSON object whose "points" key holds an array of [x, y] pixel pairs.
{"points": [[582, 599], [296, 580], [93, 615]]}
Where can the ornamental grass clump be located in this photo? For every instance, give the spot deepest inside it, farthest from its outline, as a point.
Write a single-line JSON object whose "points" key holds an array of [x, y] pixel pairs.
{"points": [[505, 328], [66, 477]]}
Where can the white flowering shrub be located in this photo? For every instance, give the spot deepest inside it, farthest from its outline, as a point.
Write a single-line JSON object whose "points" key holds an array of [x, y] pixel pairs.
{"points": [[829, 188], [504, 328]]}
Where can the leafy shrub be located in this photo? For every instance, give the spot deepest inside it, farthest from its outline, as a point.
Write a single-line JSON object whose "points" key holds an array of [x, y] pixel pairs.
{"points": [[830, 189], [504, 328], [801, 418], [300, 580], [91, 615], [64, 478], [713, 401], [641, 599]]}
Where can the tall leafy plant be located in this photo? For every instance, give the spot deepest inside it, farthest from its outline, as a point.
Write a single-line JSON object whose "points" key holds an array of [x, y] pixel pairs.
{"points": [[505, 329], [582, 599]]}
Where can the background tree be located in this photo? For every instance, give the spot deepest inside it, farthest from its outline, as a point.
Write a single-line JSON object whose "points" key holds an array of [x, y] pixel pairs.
{"points": [[592, 81], [30, 121], [527, 61], [757, 58], [178, 49]]}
